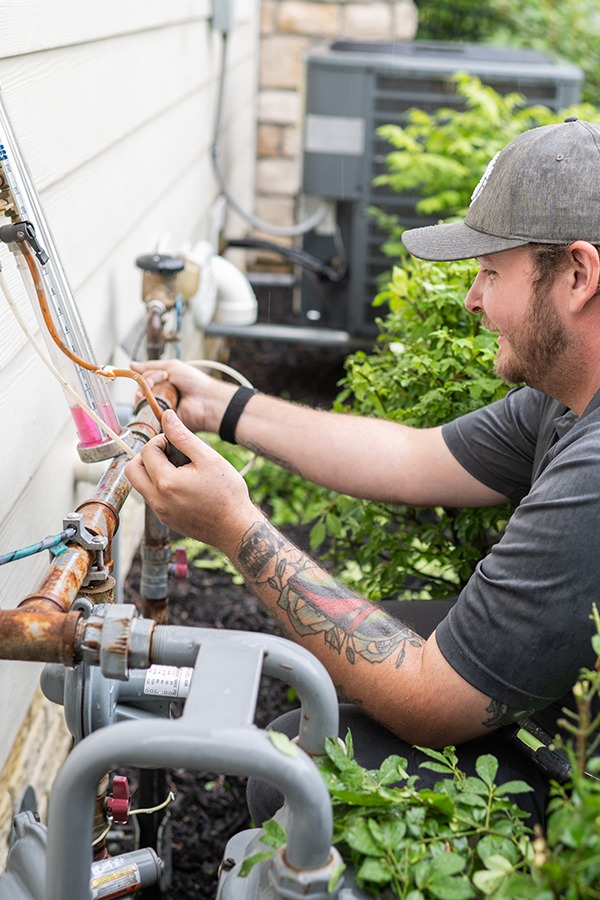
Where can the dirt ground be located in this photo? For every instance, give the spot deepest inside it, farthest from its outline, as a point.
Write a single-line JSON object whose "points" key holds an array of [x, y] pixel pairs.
{"points": [[208, 807]]}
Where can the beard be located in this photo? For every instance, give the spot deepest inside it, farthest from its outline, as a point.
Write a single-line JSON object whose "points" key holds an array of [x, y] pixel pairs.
{"points": [[536, 353]]}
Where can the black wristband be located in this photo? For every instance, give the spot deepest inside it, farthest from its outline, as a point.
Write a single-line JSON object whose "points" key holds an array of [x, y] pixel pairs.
{"points": [[232, 414]]}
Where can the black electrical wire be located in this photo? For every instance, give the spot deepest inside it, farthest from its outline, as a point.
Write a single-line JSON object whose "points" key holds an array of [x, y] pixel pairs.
{"points": [[294, 254]]}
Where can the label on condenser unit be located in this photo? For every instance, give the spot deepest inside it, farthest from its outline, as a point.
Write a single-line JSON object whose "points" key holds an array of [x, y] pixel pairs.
{"points": [[334, 134]]}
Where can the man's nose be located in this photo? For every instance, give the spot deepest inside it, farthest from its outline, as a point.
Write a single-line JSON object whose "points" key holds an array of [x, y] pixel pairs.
{"points": [[473, 300]]}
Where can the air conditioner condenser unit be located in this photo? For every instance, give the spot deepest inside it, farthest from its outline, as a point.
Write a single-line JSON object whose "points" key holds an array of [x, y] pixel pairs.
{"points": [[352, 89]]}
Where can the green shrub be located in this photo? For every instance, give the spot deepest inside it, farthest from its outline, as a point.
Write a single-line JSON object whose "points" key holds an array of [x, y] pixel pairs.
{"points": [[466, 837], [433, 361], [568, 32], [462, 20], [441, 156]]}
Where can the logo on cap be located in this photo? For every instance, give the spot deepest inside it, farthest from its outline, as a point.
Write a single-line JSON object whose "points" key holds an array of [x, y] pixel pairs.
{"points": [[484, 178]]}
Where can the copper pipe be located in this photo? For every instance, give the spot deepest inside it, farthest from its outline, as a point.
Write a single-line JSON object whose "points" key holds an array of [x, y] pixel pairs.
{"points": [[156, 556], [155, 341], [62, 582], [32, 634], [42, 628]]}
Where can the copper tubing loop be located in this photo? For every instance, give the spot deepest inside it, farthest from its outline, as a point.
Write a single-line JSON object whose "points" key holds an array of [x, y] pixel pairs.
{"points": [[105, 371]]}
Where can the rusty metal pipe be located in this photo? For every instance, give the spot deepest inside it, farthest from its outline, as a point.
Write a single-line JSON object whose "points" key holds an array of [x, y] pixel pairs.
{"points": [[33, 635], [156, 558], [41, 628], [155, 339]]}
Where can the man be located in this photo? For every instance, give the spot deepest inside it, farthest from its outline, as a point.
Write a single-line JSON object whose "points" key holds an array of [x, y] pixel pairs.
{"points": [[513, 643]]}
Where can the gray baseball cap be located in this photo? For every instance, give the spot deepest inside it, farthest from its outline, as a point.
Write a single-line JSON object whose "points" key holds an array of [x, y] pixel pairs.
{"points": [[543, 187]]}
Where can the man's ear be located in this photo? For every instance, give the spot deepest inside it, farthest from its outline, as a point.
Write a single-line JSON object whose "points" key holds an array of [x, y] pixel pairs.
{"points": [[584, 274]]}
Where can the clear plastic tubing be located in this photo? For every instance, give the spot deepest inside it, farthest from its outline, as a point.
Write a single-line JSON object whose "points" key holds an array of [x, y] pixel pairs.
{"points": [[92, 388]]}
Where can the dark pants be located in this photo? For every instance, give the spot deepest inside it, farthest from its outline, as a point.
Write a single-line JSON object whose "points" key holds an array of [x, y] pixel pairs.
{"points": [[373, 743]]}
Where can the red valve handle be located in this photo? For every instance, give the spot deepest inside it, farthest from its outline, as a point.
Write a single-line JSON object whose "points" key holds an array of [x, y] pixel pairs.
{"points": [[118, 804], [180, 565]]}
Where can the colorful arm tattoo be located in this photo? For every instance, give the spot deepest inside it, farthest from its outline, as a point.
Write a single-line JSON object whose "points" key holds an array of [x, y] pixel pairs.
{"points": [[315, 603]]}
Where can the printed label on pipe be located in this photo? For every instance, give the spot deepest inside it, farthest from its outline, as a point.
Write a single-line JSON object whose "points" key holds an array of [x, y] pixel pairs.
{"points": [[113, 878], [168, 681]]}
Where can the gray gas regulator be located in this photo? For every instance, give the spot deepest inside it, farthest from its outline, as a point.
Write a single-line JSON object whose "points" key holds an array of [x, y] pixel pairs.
{"points": [[117, 706]]}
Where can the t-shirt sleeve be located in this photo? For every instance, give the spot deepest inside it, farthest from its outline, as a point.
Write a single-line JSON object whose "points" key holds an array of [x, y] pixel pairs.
{"points": [[497, 444], [521, 629]]}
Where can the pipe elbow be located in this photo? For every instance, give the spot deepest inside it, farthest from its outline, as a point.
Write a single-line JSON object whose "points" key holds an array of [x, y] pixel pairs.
{"points": [[225, 296]]}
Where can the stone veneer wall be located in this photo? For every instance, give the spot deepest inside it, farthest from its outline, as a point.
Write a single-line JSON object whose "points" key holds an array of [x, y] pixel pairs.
{"points": [[290, 28]]}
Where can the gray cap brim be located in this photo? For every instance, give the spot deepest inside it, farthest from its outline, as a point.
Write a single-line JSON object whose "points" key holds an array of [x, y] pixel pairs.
{"points": [[444, 243]]}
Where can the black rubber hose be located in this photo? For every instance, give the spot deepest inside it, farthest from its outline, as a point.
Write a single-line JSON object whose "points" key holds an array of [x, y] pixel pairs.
{"points": [[294, 254]]}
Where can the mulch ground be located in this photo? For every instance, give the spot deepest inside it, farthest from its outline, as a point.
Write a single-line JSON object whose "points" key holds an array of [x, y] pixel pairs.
{"points": [[209, 808]]}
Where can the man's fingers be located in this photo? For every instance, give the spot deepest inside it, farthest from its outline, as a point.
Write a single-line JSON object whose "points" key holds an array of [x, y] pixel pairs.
{"points": [[154, 376], [135, 471], [176, 432]]}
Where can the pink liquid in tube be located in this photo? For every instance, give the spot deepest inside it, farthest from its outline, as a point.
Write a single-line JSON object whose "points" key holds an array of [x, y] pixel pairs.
{"points": [[89, 433]]}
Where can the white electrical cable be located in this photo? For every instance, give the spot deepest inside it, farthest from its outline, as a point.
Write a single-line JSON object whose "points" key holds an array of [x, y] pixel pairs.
{"points": [[282, 230], [220, 367], [56, 374]]}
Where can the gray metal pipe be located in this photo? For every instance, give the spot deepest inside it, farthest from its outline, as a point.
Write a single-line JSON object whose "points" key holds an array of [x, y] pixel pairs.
{"points": [[242, 751], [175, 645]]}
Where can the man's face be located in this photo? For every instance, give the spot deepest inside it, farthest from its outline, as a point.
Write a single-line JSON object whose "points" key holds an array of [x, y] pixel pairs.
{"points": [[532, 337]]}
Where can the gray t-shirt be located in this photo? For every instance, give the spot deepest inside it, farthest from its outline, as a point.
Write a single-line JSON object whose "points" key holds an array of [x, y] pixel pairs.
{"points": [[521, 630]]}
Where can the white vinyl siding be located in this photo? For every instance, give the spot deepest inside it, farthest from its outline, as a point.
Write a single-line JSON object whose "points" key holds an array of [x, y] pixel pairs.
{"points": [[113, 106]]}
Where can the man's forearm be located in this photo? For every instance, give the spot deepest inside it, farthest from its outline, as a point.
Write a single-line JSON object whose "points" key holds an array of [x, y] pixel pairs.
{"points": [[348, 633], [376, 661], [365, 457]]}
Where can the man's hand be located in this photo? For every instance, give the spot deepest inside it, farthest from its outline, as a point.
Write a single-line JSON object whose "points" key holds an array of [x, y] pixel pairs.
{"points": [[205, 499], [202, 399]]}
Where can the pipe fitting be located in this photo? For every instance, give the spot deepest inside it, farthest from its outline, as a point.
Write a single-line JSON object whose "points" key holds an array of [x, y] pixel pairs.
{"points": [[305, 884], [116, 640], [114, 643]]}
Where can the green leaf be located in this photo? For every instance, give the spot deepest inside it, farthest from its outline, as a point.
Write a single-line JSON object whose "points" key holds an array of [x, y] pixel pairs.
{"points": [[487, 768], [282, 743], [487, 881], [452, 889], [317, 535], [251, 861], [513, 787], [497, 863], [492, 845], [438, 802], [333, 524], [436, 767], [334, 878], [273, 834], [392, 769], [359, 836], [393, 833], [375, 870], [440, 876], [446, 864]]}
